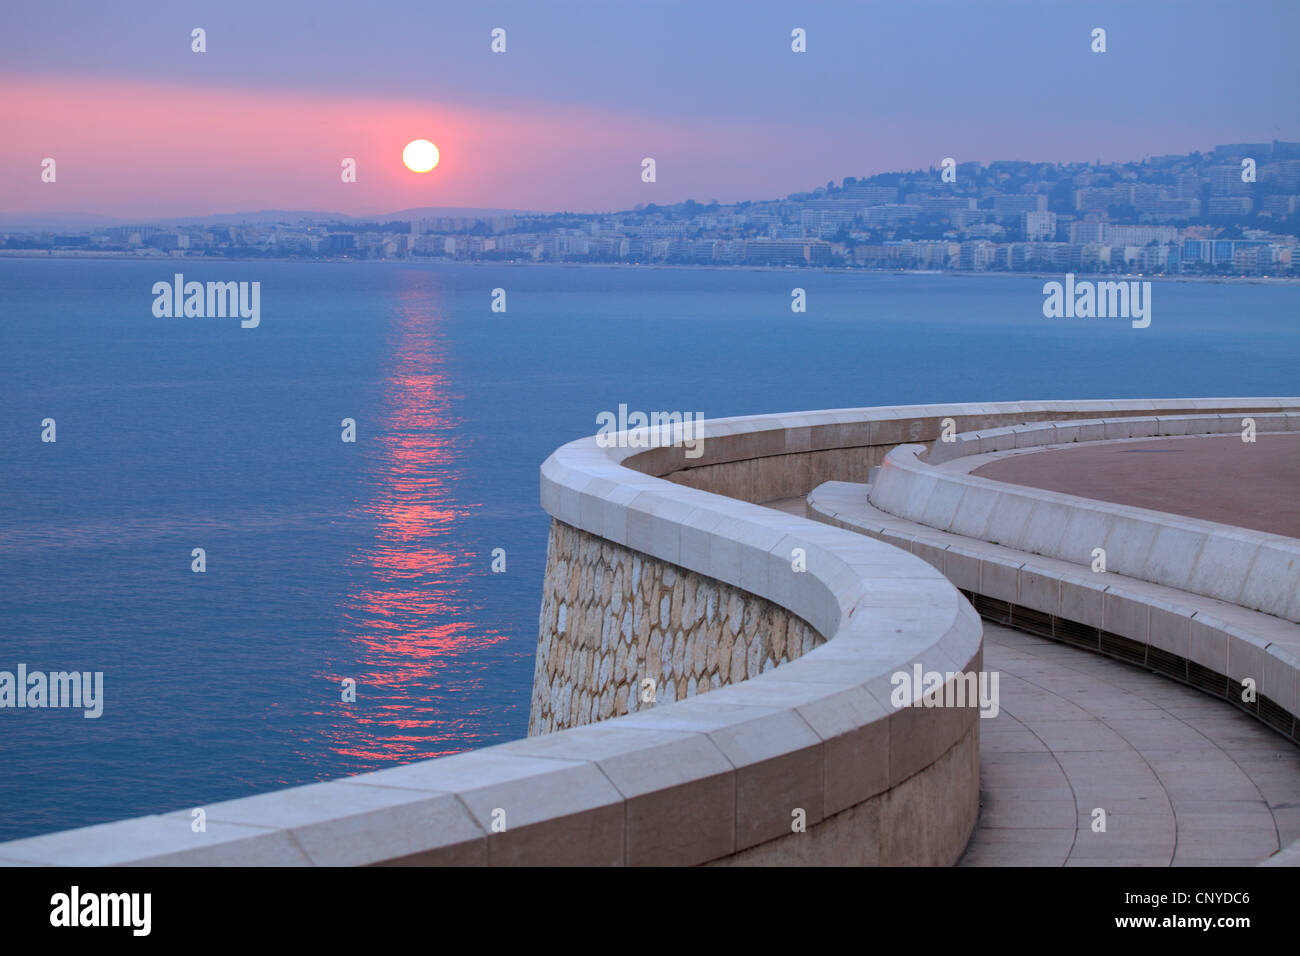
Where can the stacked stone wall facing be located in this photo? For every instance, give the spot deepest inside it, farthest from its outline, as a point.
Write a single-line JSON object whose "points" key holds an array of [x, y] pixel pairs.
{"points": [[621, 631]]}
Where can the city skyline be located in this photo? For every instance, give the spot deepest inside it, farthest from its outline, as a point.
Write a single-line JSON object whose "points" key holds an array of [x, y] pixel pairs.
{"points": [[83, 221], [1233, 210]]}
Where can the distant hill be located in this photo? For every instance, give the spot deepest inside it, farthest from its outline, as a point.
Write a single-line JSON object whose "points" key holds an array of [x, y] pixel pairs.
{"points": [[430, 212], [55, 221], [75, 221]]}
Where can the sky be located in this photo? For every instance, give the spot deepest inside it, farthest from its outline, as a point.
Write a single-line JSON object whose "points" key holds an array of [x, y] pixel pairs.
{"points": [[141, 126]]}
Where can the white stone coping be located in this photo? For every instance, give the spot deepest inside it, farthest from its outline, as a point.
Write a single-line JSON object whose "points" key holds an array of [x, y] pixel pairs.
{"points": [[1220, 636], [1038, 434], [686, 782], [1254, 569], [756, 436]]}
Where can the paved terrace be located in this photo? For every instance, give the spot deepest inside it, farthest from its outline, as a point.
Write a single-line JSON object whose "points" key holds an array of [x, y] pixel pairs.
{"points": [[1185, 780], [1219, 478], [1182, 777], [1203, 783]]}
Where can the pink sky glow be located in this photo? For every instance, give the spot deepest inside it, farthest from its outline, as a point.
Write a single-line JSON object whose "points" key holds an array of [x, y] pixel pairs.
{"points": [[132, 149]]}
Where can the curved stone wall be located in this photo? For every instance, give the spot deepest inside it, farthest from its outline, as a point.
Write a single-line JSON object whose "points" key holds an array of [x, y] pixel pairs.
{"points": [[1209, 644], [764, 458], [1250, 568], [1038, 434], [1217, 646], [621, 631], [817, 760]]}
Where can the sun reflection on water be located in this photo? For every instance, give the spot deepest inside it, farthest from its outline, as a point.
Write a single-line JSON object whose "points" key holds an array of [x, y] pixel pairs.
{"points": [[410, 627]]}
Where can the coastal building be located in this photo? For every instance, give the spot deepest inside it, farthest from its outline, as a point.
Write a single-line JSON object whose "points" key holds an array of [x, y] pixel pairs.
{"points": [[1037, 226], [1018, 205]]}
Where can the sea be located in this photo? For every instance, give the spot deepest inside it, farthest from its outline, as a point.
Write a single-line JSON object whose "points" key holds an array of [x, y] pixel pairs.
{"points": [[405, 567]]}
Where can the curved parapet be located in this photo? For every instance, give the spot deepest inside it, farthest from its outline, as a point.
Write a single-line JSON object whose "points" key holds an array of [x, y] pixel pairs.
{"points": [[823, 759], [1044, 433], [1208, 604], [811, 749], [1253, 569]]}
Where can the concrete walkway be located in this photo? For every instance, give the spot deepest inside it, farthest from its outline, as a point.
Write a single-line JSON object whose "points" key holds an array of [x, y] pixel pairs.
{"points": [[1184, 779]]}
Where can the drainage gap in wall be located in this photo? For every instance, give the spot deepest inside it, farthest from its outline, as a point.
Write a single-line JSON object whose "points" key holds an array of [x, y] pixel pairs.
{"points": [[1034, 622], [1206, 679], [1234, 697], [1122, 648], [1153, 659], [1276, 717], [1076, 634], [991, 608], [1163, 662]]}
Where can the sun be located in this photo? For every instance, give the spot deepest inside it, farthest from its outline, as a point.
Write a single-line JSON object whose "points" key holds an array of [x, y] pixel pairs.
{"points": [[420, 156]]}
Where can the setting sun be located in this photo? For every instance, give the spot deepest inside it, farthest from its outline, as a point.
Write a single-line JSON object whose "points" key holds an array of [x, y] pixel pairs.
{"points": [[420, 156]]}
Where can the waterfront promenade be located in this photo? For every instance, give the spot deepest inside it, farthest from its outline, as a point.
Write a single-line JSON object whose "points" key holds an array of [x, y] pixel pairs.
{"points": [[717, 680], [1185, 780]]}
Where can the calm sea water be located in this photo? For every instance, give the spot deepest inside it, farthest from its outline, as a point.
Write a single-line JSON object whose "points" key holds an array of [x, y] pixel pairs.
{"points": [[372, 560]]}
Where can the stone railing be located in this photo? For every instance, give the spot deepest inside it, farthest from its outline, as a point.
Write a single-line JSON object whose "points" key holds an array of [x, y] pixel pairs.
{"points": [[1037, 434], [1213, 646], [1253, 569], [813, 760], [1219, 643]]}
